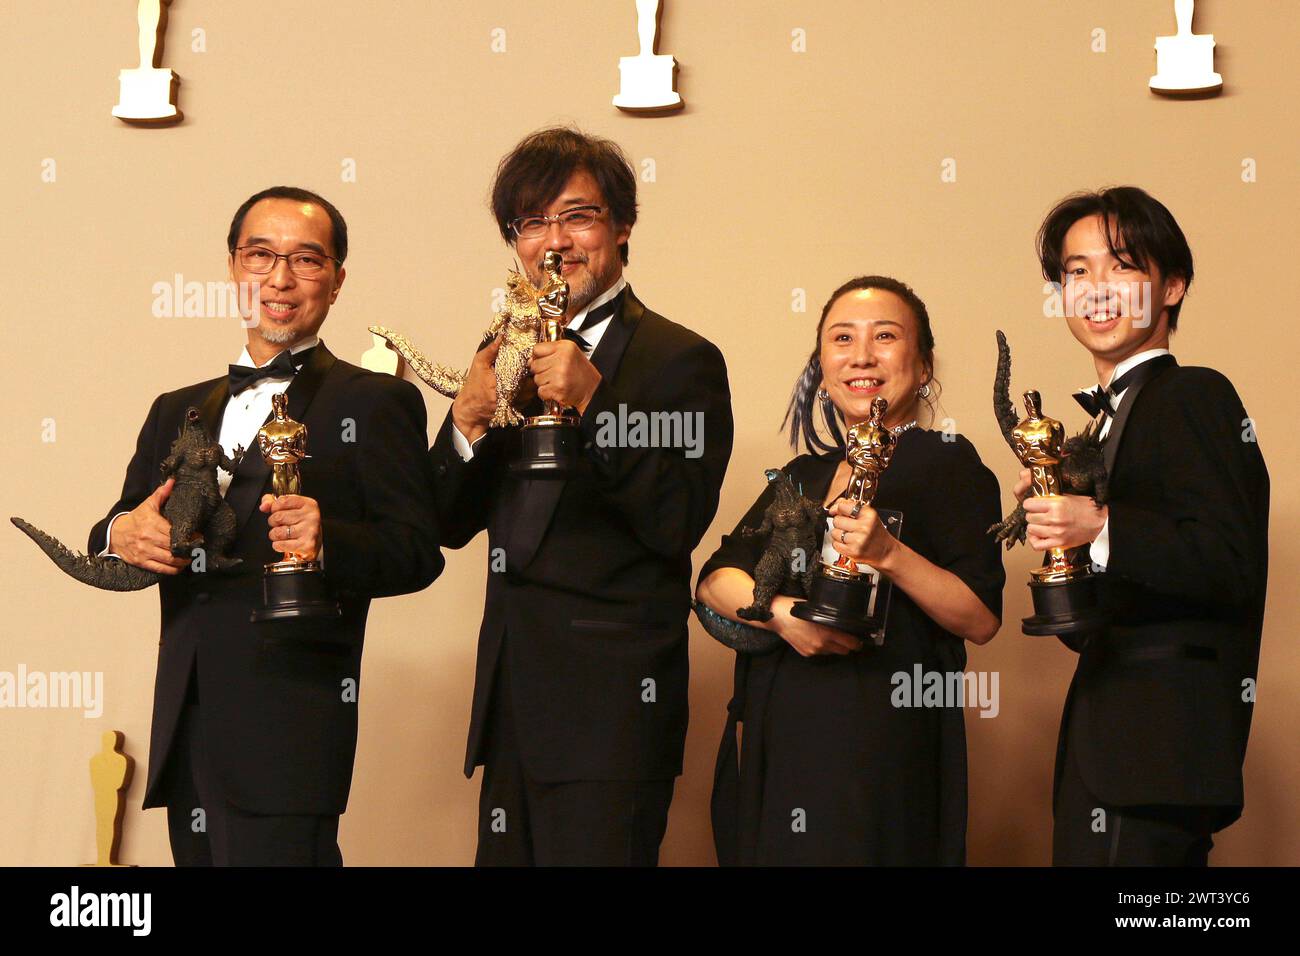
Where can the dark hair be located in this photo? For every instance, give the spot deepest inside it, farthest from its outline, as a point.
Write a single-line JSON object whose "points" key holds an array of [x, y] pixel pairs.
{"points": [[534, 173], [803, 400], [338, 228], [1136, 224]]}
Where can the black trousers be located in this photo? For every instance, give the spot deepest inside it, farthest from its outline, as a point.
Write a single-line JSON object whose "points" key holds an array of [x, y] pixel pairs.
{"points": [[224, 835], [1086, 832], [525, 822]]}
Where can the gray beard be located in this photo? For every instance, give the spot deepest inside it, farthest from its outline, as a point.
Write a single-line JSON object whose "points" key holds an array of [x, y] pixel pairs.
{"points": [[277, 336], [581, 296]]}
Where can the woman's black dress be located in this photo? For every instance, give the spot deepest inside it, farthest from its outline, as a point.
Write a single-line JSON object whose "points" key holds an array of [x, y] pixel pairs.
{"points": [[831, 772]]}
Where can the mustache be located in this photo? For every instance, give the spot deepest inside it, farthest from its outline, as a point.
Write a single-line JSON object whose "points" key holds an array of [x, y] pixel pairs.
{"points": [[540, 265]]}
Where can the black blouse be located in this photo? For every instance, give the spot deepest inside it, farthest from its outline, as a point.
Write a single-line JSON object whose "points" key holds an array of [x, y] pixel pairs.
{"points": [[914, 810]]}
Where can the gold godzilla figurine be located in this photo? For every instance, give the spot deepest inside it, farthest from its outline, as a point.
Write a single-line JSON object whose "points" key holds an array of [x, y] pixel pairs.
{"points": [[521, 320]]}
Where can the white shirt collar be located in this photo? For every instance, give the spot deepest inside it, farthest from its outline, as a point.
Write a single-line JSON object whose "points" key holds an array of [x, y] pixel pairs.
{"points": [[247, 360], [1133, 361]]}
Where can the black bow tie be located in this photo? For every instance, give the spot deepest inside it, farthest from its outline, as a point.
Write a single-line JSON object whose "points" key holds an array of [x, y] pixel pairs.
{"points": [[1095, 401], [596, 317], [1102, 399], [284, 365], [582, 343]]}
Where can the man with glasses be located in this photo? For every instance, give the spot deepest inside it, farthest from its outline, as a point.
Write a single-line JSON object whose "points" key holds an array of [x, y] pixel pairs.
{"points": [[579, 711], [255, 725]]}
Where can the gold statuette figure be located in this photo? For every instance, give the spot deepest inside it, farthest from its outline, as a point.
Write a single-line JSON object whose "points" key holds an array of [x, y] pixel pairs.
{"points": [[870, 449], [549, 445], [1064, 588], [293, 588], [283, 443], [1038, 441], [840, 596]]}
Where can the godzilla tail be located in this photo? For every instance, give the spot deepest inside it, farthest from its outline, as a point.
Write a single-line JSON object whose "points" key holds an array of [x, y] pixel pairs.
{"points": [[443, 380], [1003, 408], [739, 637], [109, 574]]}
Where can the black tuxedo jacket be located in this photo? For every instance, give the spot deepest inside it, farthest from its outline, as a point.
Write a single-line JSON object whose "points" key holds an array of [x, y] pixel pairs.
{"points": [[590, 577], [278, 728], [1161, 699]]}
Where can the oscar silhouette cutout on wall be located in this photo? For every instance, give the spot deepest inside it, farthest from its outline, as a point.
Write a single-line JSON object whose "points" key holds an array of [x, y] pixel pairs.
{"points": [[646, 80], [110, 775], [1185, 61], [147, 93]]}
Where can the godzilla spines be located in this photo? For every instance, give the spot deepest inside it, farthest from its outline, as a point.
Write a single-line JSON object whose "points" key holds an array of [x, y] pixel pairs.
{"points": [[1003, 408], [441, 378], [108, 574]]}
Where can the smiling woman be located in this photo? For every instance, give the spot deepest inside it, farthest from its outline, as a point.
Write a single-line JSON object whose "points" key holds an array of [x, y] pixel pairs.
{"points": [[834, 771], [875, 319]]}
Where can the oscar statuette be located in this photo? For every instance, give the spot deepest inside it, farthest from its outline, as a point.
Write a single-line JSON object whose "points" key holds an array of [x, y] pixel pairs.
{"points": [[550, 443], [841, 593], [1064, 589], [293, 588]]}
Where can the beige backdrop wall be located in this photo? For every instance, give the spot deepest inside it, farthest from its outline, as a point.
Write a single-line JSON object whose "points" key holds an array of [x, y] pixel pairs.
{"points": [[787, 171]]}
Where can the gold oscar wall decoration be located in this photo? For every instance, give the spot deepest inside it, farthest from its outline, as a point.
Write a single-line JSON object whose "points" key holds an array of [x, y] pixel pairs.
{"points": [[646, 80], [110, 775], [147, 93]]}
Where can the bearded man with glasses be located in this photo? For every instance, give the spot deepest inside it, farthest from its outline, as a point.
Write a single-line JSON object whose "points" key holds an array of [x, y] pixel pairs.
{"points": [[579, 710], [255, 725]]}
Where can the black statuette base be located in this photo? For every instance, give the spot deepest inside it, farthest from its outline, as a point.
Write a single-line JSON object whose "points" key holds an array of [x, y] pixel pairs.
{"points": [[1067, 607], [548, 451], [841, 603], [297, 595]]}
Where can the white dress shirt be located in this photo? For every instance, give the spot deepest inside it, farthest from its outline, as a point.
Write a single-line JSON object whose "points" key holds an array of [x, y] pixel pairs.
{"points": [[245, 413], [461, 443], [1099, 551]]}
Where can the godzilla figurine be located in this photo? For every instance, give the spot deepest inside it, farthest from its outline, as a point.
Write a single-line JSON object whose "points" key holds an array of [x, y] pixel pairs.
{"points": [[520, 319], [1083, 467], [198, 514], [790, 525]]}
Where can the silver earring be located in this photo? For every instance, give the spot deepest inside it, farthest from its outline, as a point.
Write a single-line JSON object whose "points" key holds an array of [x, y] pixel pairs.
{"points": [[823, 395], [924, 391]]}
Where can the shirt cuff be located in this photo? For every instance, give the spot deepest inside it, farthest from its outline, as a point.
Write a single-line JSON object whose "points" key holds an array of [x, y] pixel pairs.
{"points": [[461, 443], [1099, 550], [108, 538]]}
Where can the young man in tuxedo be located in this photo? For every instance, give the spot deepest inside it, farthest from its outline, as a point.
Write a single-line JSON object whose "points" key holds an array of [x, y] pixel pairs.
{"points": [[580, 695], [255, 725], [1154, 731]]}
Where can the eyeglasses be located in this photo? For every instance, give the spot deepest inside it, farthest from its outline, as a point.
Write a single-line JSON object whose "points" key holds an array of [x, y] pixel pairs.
{"points": [[260, 260], [577, 219]]}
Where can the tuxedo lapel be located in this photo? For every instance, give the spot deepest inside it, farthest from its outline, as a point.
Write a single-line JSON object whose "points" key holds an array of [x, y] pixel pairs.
{"points": [[249, 481], [1151, 369], [537, 498], [213, 406], [612, 345]]}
